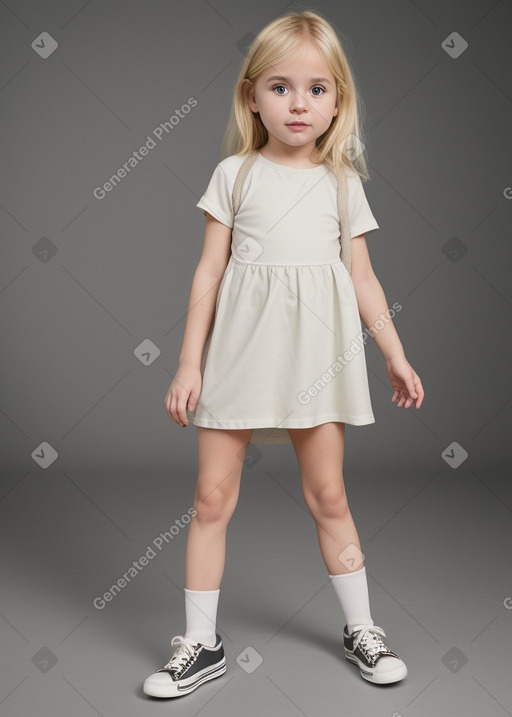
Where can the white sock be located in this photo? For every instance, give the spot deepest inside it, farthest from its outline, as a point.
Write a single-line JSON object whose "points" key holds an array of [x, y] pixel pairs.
{"points": [[352, 592], [201, 615]]}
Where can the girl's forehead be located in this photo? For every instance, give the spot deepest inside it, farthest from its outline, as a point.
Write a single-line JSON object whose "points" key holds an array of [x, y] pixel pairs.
{"points": [[297, 73], [304, 62]]}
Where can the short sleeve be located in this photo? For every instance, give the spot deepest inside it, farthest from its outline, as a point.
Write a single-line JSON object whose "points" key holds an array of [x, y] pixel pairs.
{"points": [[217, 198], [360, 215]]}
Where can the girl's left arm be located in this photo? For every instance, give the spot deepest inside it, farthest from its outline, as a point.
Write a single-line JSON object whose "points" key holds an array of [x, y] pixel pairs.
{"points": [[372, 305]]}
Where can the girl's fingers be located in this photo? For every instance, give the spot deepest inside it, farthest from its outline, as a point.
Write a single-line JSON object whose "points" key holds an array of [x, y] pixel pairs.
{"points": [[181, 411], [419, 390], [411, 393], [172, 411]]}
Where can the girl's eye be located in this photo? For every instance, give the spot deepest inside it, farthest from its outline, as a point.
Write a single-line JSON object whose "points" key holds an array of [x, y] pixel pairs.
{"points": [[315, 94]]}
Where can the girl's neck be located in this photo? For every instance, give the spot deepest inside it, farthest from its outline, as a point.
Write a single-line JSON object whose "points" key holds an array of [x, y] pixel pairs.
{"points": [[291, 160]]}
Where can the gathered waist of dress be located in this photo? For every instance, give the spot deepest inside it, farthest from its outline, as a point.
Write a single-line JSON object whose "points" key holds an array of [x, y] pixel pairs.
{"points": [[261, 263]]}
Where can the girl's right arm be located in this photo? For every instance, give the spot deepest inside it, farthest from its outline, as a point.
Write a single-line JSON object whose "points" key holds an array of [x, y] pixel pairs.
{"points": [[186, 386]]}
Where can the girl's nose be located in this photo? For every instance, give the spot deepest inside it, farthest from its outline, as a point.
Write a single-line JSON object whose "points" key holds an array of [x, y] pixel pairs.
{"points": [[298, 101]]}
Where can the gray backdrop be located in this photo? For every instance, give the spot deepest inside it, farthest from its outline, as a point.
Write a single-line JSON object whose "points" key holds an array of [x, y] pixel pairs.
{"points": [[93, 297]]}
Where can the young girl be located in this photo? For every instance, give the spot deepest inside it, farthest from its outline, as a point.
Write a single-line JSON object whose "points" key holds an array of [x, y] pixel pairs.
{"points": [[279, 309]]}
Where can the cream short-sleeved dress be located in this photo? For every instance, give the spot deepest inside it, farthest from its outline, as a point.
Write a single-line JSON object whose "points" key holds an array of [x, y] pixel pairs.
{"points": [[286, 347]]}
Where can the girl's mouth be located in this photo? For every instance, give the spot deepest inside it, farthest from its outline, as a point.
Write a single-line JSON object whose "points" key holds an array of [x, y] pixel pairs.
{"points": [[298, 126]]}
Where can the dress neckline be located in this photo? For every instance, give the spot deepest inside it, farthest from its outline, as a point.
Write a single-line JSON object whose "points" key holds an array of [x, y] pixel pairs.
{"points": [[298, 170]]}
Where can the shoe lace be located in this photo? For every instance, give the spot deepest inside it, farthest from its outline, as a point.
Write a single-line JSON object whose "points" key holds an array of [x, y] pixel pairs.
{"points": [[183, 655], [368, 640]]}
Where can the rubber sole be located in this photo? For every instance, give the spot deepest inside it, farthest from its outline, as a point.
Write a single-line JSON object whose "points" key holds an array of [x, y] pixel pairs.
{"points": [[395, 675], [174, 689]]}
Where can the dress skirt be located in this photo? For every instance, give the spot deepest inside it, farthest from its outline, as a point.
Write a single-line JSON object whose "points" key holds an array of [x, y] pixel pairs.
{"points": [[286, 350]]}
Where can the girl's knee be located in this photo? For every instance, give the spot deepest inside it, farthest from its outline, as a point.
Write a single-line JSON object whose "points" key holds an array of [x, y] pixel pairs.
{"points": [[214, 506], [328, 501]]}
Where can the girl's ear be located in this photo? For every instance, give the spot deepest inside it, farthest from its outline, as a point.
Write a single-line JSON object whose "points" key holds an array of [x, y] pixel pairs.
{"points": [[249, 95]]}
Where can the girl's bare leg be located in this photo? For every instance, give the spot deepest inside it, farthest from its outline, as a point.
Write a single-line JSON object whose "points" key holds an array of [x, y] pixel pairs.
{"points": [[220, 461], [319, 452]]}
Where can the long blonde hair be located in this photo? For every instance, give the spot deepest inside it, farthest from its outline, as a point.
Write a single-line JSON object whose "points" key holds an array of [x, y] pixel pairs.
{"points": [[246, 132]]}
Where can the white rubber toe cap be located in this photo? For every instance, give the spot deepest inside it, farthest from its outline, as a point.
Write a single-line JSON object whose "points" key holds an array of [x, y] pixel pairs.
{"points": [[389, 669]]}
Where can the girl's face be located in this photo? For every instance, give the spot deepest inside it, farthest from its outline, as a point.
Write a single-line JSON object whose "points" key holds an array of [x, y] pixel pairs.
{"points": [[301, 89]]}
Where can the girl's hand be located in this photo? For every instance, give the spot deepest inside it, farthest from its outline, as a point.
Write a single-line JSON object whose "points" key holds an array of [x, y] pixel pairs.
{"points": [[405, 382], [185, 388]]}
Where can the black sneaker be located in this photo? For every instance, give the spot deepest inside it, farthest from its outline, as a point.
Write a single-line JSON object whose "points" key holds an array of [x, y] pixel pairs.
{"points": [[191, 664], [376, 662]]}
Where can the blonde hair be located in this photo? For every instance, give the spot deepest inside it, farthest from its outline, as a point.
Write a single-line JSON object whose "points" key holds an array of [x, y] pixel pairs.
{"points": [[246, 132]]}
